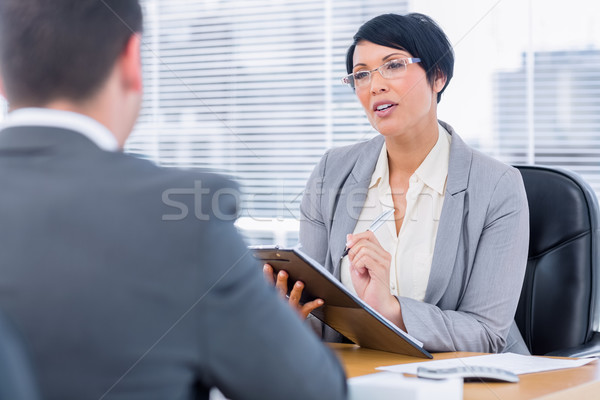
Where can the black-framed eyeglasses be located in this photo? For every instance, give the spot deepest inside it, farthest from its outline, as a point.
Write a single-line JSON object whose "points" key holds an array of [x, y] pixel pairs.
{"points": [[390, 70]]}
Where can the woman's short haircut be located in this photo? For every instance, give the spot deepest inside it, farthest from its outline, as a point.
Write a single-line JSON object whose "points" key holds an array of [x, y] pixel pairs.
{"points": [[62, 49], [415, 33]]}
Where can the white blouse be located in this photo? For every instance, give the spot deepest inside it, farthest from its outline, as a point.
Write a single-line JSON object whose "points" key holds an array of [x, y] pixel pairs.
{"points": [[412, 249]]}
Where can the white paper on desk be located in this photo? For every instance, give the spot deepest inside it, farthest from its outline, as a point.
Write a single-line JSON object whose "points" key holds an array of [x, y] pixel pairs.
{"points": [[516, 363]]}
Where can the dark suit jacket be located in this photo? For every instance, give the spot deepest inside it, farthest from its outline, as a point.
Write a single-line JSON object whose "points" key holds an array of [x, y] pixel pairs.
{"points": [[120, 297]]}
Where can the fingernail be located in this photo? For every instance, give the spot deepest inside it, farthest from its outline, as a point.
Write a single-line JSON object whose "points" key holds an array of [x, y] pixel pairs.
{"points": [[298, 284], [348, 240], [320, 302]]}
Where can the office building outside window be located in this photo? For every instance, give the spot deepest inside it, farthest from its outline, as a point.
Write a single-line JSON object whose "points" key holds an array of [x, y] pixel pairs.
{"points": [[566, 112]]}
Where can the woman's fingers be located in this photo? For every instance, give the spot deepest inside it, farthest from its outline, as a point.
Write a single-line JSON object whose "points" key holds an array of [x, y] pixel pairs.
{"points": [[352, 239], [268, 273], [365, 244], [369, 261], [307, 308], [295, 294], [281, 283], [365, 253]]}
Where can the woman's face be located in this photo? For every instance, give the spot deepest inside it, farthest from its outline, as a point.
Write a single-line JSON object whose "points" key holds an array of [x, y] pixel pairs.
{"points": [[412, 101]]}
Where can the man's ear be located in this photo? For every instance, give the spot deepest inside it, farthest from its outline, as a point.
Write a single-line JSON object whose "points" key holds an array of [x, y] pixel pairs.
{"points": [[131, 65], [2, 92], [440, 82]]}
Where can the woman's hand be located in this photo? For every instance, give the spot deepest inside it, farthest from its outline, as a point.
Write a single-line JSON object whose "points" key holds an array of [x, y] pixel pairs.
{"points": [[281, 285], [370, 271]]}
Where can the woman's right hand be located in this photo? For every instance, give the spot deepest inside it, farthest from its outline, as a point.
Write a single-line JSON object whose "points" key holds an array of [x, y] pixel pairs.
{"points": [[280, 282]]}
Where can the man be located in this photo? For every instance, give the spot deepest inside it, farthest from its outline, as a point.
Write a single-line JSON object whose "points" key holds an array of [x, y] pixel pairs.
{"points": [[127, 281]]}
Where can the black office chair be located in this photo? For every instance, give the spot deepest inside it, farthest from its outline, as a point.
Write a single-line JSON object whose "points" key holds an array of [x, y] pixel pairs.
{"points": [[558, 301], [16, 374]]}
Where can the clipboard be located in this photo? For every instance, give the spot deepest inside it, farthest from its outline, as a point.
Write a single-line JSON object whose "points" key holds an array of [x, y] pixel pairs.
{"points": [[342, 311]]}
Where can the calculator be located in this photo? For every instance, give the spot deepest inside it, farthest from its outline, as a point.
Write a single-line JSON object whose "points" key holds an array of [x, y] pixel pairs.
{"points": [[469, 374]]}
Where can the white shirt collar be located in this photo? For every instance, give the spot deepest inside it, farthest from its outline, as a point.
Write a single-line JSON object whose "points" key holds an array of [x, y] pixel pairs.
{"points": [[432, 171], [434, 168], [72, 121], [381, 168]]}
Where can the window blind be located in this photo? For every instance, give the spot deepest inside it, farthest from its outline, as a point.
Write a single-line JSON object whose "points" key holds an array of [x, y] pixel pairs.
{"points": [[251, 89]]}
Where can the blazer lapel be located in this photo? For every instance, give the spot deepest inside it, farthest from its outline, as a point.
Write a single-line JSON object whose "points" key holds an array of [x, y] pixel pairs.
{"points": [[349, 200], [451, 219]]}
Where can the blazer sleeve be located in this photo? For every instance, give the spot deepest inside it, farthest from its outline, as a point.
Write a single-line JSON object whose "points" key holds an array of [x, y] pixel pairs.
{"points": [[313, 229], [492, 285]]}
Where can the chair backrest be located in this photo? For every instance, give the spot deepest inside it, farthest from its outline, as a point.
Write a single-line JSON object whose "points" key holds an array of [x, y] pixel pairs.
{"points": [[16, 374], [557, 305]]}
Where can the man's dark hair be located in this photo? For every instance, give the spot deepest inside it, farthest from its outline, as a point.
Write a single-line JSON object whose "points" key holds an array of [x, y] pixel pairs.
{"points": [[415, 33], [51, 49]]}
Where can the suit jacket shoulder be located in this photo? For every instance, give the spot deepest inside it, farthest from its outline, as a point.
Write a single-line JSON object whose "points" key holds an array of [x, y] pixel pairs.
{"points": [[468, 166], [357, 159]]}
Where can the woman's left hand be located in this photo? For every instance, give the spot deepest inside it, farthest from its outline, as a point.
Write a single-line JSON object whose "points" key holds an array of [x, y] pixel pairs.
{"points": [[370, 270]]}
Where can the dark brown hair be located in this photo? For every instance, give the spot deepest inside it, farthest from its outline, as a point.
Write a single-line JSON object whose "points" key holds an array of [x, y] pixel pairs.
{"points": [[415, 33], [51, 49]]}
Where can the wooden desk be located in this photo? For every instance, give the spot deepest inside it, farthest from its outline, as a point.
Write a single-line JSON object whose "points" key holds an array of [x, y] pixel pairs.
{"points": [[575, 383]]}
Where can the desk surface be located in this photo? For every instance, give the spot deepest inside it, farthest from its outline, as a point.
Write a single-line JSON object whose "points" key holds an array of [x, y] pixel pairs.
{"points": [[575, 383]]}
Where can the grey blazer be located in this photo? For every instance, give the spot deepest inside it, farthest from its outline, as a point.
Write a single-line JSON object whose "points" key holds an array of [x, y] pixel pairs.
{"points": [[120, 294], [480, 252]]}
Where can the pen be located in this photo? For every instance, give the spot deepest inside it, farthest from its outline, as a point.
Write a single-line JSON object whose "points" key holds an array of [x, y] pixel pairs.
{"points": [[373, 227]]}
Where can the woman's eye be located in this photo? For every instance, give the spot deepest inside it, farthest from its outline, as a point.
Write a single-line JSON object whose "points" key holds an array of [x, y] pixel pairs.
{"points": [[395, 65], [361, 75]]}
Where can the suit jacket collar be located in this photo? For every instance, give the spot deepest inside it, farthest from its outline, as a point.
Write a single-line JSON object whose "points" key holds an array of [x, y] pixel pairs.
{"points": [[52, 118], [367, 159], [37, 138], [451, 220], [459, 164]]}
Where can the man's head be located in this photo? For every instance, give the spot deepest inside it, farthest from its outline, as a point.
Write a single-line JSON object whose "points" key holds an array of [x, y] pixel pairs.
{"points": [[64, 50]]}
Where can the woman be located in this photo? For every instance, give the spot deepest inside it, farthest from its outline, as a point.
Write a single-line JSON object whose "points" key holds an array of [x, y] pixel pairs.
{"points": [[448, 268]]}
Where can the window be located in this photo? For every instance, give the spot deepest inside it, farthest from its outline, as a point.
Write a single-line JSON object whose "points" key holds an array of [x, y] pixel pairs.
{"points": [[251, 88]]}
